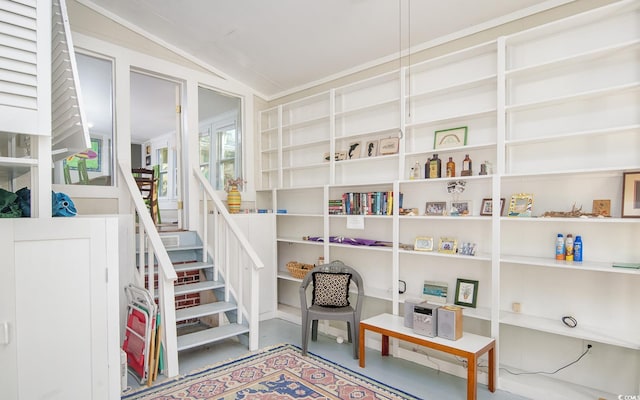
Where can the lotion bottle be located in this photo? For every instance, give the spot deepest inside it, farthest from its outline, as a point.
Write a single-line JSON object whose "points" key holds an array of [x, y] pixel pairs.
{"points": [[560, 247], [577, 249], [568, 245]]}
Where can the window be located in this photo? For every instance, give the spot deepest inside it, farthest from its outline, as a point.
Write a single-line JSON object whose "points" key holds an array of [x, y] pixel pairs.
{"points": [[220, 140], [96, 86]]}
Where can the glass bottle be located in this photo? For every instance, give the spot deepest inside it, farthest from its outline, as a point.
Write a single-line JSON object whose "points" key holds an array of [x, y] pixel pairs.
{"points": [[451, 168], [435, 167], [466, 166]]}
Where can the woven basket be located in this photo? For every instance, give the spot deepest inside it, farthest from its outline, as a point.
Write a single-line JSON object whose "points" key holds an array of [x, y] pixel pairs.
{"points": [[299, 270]]}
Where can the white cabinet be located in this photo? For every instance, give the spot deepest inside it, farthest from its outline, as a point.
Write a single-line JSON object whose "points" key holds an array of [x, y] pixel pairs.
{"points": [[59, 309], [554, 112]]}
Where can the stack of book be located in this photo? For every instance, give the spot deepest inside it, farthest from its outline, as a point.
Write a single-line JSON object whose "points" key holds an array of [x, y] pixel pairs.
{"points": [[336, 207]]}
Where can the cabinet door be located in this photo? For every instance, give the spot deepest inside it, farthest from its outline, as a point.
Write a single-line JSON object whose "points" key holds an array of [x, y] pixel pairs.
{"points": [[59, 330]]}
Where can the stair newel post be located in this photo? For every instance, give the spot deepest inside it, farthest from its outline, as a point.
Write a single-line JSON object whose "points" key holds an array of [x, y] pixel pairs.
{"points": [[255, 307], [227, 262], [241, 265], [217, 246], [150, 270], [141, 254], [205, 226]]}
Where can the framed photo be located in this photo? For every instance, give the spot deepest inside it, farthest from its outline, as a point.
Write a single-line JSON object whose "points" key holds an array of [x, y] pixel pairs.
{"points": [[147, 160], [460, 208], [467, 249], [602, 208], [631, 195], [389, 146], [371, 148], [447, 245], [436, 208], [466, 293], [487, 207], [521, 205], [454, 137], [355, 149], [148, 149], [423, 243]]}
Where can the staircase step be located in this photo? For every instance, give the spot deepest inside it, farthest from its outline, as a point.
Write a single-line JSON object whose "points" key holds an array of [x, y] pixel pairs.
{"points": [[184, 247], [210, 335], [204, 309], [190, 266], [197, 287]]}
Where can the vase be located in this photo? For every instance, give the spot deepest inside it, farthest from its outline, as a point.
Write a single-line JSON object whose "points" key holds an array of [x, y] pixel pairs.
{"points": [[233, 200]]}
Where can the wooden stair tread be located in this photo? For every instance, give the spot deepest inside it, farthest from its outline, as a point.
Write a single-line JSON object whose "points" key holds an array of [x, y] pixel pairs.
{"points": [[210, 335]]}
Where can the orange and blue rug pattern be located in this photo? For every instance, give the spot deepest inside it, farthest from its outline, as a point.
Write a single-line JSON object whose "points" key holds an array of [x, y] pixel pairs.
{"points": [[279, 372]]}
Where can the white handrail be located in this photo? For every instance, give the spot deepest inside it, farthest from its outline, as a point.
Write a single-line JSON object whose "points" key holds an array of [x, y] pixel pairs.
{"points": [[228, 235], [155, 250]]}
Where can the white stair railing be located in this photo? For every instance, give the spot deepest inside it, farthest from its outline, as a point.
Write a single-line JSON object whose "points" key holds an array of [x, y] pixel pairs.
{"points": [[151, 249], [233, 255]]}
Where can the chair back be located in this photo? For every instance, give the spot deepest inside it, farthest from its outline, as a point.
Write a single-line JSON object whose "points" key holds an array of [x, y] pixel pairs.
{"points": [[337, 266]]}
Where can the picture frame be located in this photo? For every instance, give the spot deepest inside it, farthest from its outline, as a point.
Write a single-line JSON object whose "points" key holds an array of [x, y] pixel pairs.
{"points": [[435, 208], [461, 208], [447, 245], [521, 205], [631, 194], [389, 146], [447, 138], [466, 293], [486, 208], [371, 148], [423, 243], [601, 207], [467, 249], [147, 160], [354, 151]]}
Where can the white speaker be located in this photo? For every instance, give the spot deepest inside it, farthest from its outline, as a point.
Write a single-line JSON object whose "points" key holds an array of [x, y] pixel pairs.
{"points": [[408, 311], [450, 322]]}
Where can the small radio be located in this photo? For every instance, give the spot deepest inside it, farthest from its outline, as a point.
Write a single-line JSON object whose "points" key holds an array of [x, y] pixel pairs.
{"points": [[409, 304], [425, 319]]}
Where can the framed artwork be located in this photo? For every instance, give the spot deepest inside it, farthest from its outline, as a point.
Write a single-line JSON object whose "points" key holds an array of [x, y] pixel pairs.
{"points": [[521, 205], [147, 160], [460, 208], [601, 208], [446, 138], [355, 149], [423, 243], [389, 146], [148, 147], [436, 208], [466, 293], [631, 195], [487, 207], [447, 245], [371, 148]]}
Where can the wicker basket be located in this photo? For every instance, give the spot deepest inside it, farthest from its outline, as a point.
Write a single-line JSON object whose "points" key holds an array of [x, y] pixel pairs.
{"points": [[299, 270]]}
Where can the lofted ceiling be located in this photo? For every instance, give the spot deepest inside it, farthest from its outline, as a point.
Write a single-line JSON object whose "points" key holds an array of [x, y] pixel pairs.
{"points": [[280, 46]]}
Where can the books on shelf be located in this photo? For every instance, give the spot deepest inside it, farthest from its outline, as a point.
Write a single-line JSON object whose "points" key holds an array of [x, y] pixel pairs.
{"points": [[364, 203]]}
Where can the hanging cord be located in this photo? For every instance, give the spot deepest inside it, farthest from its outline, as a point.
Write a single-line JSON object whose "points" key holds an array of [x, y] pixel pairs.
{"points": [[550, 373]]}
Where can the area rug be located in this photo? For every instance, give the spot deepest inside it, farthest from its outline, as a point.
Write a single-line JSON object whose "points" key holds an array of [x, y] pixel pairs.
{"points": [[280, 372]]}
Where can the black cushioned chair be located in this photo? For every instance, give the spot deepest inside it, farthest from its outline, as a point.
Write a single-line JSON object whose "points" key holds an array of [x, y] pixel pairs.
{"points": [[330, 301]]}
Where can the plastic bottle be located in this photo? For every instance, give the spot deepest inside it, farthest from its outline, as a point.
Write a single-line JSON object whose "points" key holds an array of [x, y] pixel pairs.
{"points": [[416, 170], [577, 249], [568, 246], [560, 247]]}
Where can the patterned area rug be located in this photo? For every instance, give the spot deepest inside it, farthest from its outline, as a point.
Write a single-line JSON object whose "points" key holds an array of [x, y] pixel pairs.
{"points": [[276, 373]]}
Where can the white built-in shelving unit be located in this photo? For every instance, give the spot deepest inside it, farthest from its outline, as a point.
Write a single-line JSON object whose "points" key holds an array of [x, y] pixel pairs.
{"points": [[554, 110]]}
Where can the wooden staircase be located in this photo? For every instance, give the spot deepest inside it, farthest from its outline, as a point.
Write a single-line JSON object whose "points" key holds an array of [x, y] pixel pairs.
{"points": [[203, 316]]}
